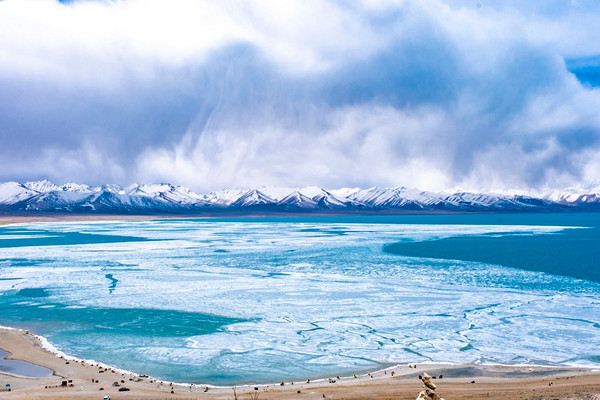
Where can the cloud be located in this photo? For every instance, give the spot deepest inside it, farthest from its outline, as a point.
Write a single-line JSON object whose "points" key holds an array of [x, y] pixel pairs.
{"points": [[435, 95]]}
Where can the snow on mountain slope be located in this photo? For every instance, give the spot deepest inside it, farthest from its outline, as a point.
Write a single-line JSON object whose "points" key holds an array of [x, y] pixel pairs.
{"points": [[252, 198], [323, 196], [76, 187], [327, 200], [166, 192], [483, 201], [344, 193], [298, 200], [381, 198], [225, 197], [14, 192], [56, 200], [573, 197], [43, 186], [155, 198], [308, 196], [277, 193]]}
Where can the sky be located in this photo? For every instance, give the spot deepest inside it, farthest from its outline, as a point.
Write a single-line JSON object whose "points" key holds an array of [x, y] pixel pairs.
{"points": [[436, 95]]}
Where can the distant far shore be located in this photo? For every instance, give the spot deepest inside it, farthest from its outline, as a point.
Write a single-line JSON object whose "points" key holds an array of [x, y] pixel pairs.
{"points": [[35, 216], [68, 378], [25, 217], [55, 217]]}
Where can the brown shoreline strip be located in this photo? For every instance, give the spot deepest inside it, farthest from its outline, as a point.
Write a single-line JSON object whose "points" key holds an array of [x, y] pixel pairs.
{"points": [[86, 381]]}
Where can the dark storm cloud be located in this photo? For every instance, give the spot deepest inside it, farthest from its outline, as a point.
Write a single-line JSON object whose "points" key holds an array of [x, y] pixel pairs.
{"points": [[427, 94]]}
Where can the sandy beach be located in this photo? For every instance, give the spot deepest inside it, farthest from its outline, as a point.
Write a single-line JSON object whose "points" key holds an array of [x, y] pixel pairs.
{"points": [[88, 381]]}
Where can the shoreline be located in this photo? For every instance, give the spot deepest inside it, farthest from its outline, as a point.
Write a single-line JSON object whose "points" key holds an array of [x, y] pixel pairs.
{"points": [[23, 217], [466, 381], [427, 365]]}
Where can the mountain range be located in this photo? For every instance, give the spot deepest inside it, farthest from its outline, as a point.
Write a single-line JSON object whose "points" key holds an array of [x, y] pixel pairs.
{"points": [[45, 196]]}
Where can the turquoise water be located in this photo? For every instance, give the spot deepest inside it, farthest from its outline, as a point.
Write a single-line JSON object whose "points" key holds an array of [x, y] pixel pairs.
{"points": [[232, 301], [570, 252]]}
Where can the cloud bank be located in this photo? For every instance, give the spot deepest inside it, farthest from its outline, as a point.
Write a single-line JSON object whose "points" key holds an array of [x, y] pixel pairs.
{"points": [[429, 94]]}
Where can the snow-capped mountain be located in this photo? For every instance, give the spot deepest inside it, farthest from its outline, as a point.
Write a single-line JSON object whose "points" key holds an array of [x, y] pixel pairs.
{"points": [[45, 196], [13, 192]]}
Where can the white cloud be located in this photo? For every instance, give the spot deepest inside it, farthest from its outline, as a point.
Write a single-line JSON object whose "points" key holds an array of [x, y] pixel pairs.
{"points": [[430, 94]]}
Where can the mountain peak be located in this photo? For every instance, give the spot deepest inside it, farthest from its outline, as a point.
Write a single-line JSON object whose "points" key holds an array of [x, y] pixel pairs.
{"points": [[42, 186], [44, 195]]}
